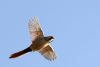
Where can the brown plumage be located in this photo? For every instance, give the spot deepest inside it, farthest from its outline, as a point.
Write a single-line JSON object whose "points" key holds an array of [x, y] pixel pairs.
{"points": [[17, 54], [40, 43]]}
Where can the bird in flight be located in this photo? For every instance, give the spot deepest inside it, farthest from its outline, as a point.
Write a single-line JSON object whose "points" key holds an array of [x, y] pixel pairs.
{"points": [[40, 43]]}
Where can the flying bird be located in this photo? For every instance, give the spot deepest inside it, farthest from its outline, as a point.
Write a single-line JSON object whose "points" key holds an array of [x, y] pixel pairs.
{"points": [[40, 43]]}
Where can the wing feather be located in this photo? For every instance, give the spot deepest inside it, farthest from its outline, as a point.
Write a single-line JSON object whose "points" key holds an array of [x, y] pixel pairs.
{"points": [[34, 28], [48, 53]]}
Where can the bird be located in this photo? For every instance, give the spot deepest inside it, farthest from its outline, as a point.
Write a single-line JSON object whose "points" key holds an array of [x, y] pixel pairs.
{"points": [[40, 43]]}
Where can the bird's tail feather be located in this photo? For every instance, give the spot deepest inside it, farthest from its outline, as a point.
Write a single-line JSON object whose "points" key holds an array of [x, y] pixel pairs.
{"points": [[17, 54]]}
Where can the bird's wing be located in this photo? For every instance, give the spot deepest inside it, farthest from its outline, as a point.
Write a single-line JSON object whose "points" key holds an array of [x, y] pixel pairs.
{"points": [[48, 52], [34, 28]]}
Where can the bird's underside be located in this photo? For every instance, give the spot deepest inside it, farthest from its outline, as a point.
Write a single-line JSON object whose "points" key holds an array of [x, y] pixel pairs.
{"points": [[40, 43]]}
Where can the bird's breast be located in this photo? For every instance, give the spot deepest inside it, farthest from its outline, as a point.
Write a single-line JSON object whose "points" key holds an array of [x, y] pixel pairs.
{"points": [[38, 44]]}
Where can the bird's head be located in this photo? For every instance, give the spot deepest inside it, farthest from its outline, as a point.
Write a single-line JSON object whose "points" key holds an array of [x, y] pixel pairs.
{"points": [[49, 38]]}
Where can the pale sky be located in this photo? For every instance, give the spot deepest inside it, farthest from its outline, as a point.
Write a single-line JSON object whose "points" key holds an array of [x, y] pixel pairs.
{"points": [[75, 24]]}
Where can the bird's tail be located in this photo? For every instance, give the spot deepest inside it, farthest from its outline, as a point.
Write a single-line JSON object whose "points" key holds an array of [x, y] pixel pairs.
{"points": [[17, 54]]}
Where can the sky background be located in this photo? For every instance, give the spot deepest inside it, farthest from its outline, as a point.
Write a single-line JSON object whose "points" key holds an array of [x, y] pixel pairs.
{"points": [[75, 24]]}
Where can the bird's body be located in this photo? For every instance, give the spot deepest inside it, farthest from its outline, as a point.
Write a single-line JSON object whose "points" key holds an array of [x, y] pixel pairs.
{"points": [[40, 43]]}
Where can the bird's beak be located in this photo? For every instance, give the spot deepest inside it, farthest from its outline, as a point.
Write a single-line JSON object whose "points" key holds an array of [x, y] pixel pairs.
{"points": [[53, 38]]}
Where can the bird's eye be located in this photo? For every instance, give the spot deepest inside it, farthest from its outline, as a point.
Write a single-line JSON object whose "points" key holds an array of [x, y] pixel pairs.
{"points": [[51, 40]]}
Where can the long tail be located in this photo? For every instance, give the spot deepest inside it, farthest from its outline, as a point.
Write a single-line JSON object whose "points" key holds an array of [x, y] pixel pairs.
{"points": [[17, 54]]}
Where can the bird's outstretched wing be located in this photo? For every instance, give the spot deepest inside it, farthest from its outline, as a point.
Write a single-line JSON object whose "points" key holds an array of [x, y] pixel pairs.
{"points": [[34, 28], [48, 52]]}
